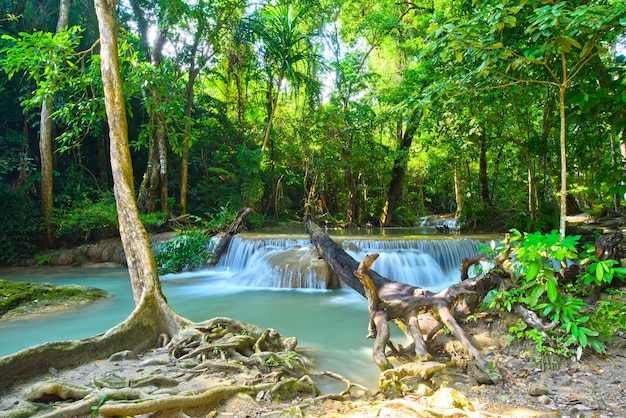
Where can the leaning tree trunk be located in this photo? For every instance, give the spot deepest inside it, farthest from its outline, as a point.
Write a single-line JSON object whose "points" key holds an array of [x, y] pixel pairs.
{"points": [[152, 318], [389, 300], [222, 246]]}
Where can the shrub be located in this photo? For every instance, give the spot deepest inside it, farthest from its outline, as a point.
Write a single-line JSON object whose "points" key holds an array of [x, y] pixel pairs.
{"points": [[190, 250], [538, 257]]}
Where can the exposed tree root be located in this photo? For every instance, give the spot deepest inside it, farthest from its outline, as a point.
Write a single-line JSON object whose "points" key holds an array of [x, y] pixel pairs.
{"points": [[389, 300], [215, 355], [208, 399]]}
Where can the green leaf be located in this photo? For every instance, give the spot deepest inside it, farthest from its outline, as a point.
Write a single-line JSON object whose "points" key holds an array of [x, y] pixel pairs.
{"points": [[553, 291], [532, 271]]}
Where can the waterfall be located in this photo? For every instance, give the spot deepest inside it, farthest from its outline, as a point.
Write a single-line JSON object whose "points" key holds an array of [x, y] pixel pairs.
{"points": [[293, 263], [274, 262], [430, 263]]}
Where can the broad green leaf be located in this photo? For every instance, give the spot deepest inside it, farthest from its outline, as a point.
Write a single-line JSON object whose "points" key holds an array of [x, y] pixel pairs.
{"points": [[532, 271], [553, 290]]}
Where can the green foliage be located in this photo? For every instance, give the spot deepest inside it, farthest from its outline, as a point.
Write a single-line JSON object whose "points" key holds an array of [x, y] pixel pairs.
{"points": [[81, 216], [190, 250], [47, 59], [221, 219], [609, 316], [538, 257], [153, 221], [21, 222], [599, 272], [84, 216]]}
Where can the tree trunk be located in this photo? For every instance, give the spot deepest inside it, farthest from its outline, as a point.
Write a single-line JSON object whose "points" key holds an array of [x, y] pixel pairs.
{"points": [[405, 139], [458, 193], [149, 184], [193, 73], [45, 144], [563, 201], [162, 149], [45, 154], [482, 172], [152, 318], [154, 182]]}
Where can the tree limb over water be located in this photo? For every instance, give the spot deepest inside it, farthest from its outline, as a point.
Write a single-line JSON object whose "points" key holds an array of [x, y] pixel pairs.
{"points": [[394, 301]]}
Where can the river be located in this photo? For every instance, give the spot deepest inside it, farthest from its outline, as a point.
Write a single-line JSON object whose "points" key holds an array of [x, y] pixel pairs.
{"points": [[270, 281]]}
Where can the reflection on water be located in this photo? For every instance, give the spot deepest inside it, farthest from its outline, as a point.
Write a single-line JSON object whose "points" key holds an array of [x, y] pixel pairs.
{"points": [[249, 285]]}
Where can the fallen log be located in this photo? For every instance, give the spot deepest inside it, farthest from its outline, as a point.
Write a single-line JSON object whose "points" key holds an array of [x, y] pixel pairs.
{"points": [[234, 227], [390, 300]]}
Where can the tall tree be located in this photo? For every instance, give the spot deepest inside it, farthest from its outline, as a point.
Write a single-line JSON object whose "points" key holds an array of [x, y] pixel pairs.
{"points": [[210, 23], [554, 48], [45, 142], [159, 16], [284, 32]]}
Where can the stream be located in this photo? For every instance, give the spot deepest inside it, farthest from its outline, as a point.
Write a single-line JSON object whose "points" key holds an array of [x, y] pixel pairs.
{"points": [[269, 280]]}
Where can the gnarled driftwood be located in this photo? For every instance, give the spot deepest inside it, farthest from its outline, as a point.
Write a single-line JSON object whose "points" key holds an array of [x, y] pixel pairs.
{"points": [[389, 300]]}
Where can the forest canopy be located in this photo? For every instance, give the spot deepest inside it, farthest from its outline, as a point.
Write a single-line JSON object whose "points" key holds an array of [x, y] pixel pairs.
{"points": [[380, 113]]}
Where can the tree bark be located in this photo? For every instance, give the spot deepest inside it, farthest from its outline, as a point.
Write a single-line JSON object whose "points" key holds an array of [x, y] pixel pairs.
{"points": [[154, 182], [152, 317], [45, 144], [405, 138], [483, 178]]}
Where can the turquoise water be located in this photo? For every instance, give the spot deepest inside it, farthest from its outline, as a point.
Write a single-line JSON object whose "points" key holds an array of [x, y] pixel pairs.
{"points": [[330, 324], [248, 285]]}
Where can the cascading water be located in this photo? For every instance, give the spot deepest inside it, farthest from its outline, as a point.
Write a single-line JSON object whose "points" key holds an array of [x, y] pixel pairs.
{"points": [[293, 263], [274, 262], [432, 264]]}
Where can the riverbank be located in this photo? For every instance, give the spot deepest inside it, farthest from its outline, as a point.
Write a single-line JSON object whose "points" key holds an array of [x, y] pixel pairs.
{"points": [[591, 387], [25, 299]]}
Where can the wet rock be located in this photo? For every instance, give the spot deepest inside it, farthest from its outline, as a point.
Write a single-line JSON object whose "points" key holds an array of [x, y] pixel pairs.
{"points": [[537, 389], [123, 355]]}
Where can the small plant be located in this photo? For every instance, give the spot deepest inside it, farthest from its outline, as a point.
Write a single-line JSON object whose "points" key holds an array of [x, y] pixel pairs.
{"points": [[538, 259], [190, 250], [95, 409], [272, 361], [42, 259], [221, 219]]}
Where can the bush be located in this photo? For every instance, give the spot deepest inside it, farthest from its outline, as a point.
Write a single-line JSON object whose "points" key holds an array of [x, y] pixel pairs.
{"points": [[21, 223], [91, 220], [190, 250], [537, 288]]}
